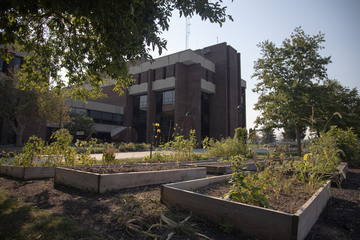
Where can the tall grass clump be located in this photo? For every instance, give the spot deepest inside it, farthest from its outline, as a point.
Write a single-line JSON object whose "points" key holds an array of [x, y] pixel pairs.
{"points": [[225, 147]]}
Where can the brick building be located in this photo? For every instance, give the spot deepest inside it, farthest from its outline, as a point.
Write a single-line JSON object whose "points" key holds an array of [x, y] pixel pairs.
{"points": [[200, 90]]}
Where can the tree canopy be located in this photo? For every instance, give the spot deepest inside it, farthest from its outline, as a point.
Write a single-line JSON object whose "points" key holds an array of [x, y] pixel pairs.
{"points": [[93, 40], [19, 108], [287, 76], [336, 105]]}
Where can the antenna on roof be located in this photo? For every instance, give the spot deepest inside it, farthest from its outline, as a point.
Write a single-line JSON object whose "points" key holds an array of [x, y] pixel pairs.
{"points": [[187, 32]]}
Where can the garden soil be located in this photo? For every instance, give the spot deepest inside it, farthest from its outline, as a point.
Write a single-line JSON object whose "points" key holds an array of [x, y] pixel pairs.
{"points": [[105, 214]]}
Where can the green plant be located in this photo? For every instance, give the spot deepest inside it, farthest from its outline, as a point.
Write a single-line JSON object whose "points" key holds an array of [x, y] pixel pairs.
{"points": [[85, 159], [108, 156], [156, 158], [32, 153], [347, 141], [240, 134], [181, 148], [225, 227], [225, 147]]}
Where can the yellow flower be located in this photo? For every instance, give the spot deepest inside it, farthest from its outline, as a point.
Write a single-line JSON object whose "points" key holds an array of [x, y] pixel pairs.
{"points": [[158, 131]]}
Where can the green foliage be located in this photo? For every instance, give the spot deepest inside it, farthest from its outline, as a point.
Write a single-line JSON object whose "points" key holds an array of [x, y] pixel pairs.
{"points": [[32, 153], [81, 123], [83, 38], [336, 105], [85, 159], [347, 141], [324, 156], [244, 188], [226, 147], [240, 134], [20, 107], [37, 153], [131, 147], [60, 152], [288, 76], [108, 156], [182, 148]]}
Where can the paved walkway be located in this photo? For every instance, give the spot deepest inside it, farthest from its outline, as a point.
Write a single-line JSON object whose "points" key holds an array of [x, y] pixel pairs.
{"points": [[141, 154]]}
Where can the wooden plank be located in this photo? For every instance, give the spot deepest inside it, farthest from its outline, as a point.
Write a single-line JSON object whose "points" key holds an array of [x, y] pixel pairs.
{"points": [[309, 213], [78, 179], [260, 222], [39, 172], [137, 179], [12, 171]]}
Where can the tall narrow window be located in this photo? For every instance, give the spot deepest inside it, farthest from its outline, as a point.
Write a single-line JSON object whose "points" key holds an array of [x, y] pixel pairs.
{"points": [[164, 72], [139, 116], [165, 113], [205, 115]]}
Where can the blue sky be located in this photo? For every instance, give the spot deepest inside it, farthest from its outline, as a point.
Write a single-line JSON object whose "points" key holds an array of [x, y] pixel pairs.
{"points": [[259, 20]]}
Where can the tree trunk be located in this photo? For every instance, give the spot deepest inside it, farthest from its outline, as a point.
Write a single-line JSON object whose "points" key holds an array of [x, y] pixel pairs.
{"points": [[298, 139]]}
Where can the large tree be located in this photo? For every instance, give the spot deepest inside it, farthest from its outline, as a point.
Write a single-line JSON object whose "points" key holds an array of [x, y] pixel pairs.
{"points": [[19, 108], [336, 105], [286, 77], [92, 40]]}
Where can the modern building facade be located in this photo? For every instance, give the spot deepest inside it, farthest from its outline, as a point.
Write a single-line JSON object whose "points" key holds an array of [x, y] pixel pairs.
{"points": [[200, 90]]}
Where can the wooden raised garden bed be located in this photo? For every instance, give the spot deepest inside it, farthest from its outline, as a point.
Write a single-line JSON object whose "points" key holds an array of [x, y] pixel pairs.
{"points": [[28, 173], [260, 222], [113, 181], [214, 167]]}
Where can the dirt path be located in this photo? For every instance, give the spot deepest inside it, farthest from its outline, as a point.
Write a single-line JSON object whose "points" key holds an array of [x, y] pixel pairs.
{"points": [[100, 212]]}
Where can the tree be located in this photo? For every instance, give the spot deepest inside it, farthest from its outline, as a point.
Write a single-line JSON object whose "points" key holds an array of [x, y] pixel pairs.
{"points": [[287, 75], [253, 137], [21, 107], [336, 106], [80, 123], [268, 135], [289, 132], [92, 40]]}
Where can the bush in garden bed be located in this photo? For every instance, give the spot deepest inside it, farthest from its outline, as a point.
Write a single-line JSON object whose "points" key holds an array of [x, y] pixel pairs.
{"points": [[59, 152], [323, 159], [347, 141]]}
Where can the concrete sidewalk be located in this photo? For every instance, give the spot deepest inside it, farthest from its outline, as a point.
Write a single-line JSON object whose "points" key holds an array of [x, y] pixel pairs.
{"points": [[141, 154]]}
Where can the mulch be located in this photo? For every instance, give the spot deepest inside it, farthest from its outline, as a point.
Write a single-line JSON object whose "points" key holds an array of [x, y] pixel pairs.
{"points": [[340, 220]]}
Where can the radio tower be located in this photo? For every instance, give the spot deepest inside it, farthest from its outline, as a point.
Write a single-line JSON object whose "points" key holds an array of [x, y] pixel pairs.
{"points": [[187, 33]]}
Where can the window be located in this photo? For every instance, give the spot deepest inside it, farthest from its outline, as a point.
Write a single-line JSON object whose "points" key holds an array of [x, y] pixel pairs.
{"points": [[139, 116], [164, 72], [3, 65], [165, 113], [143, 103], [139, 78], [205, 115], [106, 117], [18, 62]]}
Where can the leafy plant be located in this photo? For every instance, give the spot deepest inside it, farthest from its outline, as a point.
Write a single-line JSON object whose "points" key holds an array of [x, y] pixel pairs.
{"points": [[347, 141], [240, 134], [108, 156], [225, 147], [182, 148], [32, 153]]}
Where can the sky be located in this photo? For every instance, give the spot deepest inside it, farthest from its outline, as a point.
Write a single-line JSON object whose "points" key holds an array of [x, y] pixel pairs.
{"points": [[258, 20]]}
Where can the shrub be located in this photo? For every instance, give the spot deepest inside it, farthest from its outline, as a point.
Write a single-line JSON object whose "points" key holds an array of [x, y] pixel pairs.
{"points": [[347, 141], [108, 156], [182, 149], [324, 156], [240, 134], [225, 147]]}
